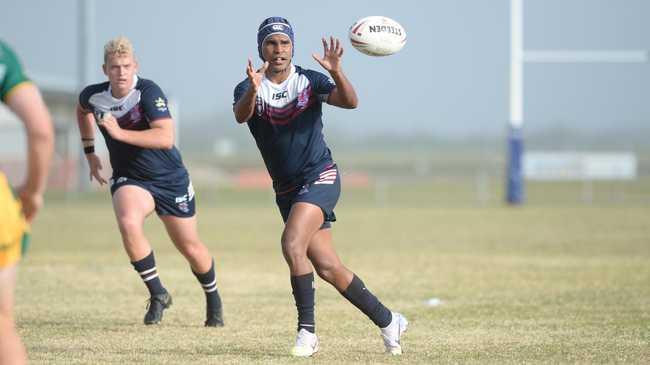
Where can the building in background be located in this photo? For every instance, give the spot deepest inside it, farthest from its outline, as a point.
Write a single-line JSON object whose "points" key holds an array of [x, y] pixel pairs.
{"points": [[60, 96]]}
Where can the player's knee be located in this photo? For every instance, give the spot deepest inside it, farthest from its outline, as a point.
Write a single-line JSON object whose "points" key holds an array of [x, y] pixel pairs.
{"points": [[293, 249], [192, 249], [294, 254], [328, 271], [131, 230], [129, 224]]}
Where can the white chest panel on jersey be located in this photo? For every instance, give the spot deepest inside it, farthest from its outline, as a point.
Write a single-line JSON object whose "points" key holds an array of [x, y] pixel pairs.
{"points": [[105, 102], [280, 95]]}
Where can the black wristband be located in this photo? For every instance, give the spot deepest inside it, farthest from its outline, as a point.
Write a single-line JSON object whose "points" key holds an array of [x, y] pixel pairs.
{"points": [[87, 139], [89, 149]]}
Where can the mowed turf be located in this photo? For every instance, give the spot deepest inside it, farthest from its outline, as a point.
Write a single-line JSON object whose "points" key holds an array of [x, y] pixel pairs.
{"points": [[542, 283]]}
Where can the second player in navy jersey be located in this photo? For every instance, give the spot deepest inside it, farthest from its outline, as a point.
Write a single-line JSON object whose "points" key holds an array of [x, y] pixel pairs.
{"points": [[282, 105], [148, 174], [143, 104]]}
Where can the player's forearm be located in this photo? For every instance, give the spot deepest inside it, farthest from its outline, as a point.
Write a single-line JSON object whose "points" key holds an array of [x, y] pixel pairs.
{"points": [[85, 121], [245, 107], [40, 147], [155, 138], [346, 97]]}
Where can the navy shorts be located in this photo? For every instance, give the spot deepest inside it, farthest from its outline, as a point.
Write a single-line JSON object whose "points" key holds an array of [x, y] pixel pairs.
{"points": [[323, 193], [174, 198]]}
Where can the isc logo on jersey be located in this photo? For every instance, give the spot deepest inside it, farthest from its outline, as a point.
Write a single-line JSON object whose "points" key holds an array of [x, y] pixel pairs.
{"points": [[280, 95]]}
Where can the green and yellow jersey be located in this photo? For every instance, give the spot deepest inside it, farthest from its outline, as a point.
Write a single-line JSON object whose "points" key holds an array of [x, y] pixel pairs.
{"points": [[13, 228], [11, 72]]}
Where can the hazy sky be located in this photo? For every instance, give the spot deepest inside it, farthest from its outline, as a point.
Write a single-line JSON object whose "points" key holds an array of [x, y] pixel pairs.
{"points": [[451, 78]]}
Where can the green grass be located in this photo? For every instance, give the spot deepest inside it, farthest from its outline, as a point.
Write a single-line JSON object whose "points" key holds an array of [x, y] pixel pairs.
{"points": [[541, 283]]}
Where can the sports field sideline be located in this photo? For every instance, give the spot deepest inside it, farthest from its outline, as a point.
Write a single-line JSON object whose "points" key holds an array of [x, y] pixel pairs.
{"points": [[542, 283]]}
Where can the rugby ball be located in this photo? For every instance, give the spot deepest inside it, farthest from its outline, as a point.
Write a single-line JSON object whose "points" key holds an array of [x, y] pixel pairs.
{"points": [[377, 36]]}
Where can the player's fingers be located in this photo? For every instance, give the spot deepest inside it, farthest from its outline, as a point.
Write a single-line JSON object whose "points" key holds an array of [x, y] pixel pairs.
{"points": [[29, 211], [324, 45], [340, 51], [317, 58], [29, 215], [331, 44], [337, 48], [99, 178], [264, 67]]}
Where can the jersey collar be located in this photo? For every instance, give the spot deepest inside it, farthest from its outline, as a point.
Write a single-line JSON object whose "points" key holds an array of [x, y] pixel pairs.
{"points": [[292, 71], [135, 82]]}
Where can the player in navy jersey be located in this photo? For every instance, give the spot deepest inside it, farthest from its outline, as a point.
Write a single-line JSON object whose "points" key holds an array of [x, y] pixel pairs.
{"points": [[282, 105], [148, 174]]}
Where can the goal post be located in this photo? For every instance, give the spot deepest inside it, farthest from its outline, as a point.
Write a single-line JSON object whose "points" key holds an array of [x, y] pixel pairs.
{"points": [[515, 184]]}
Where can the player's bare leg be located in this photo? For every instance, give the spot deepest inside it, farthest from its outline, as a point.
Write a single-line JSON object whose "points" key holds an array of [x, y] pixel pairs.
{"points": [[326, 262], [184, 233], [329, 267], [12, 350], [132, 204], [304, 221]]}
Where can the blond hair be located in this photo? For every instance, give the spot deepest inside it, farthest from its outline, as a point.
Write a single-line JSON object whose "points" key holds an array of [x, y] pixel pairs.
{"points": [[118, 46]]}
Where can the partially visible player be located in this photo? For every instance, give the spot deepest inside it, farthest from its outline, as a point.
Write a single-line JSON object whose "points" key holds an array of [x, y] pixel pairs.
{"points": [[282, 105], [24, 99], [148, 174]]}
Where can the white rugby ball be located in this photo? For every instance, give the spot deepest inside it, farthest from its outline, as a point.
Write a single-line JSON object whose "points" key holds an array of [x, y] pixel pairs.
{"points": [[377, 36]]}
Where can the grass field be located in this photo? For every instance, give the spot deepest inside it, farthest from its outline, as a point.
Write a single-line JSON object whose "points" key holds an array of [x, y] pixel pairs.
{"points": [[542, 283]]}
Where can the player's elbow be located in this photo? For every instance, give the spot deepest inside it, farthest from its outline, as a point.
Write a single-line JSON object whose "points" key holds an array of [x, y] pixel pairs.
{"points": [[346, 101], [167, 144], [241, 118], [351, 103], [243, 112]]}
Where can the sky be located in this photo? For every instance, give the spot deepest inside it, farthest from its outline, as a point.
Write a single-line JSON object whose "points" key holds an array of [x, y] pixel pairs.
{"points": [[451, 78]]}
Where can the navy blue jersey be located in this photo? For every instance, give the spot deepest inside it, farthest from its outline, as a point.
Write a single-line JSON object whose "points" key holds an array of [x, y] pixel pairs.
{"points": [[144, 104], [288, 128]]}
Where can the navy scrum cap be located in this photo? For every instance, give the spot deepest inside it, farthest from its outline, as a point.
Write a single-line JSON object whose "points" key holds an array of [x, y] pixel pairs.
{"points": [[270, 26]]}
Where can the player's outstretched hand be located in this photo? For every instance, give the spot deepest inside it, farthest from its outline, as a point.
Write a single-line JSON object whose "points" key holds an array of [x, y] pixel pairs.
{"points": [[95, 165], [255, 77], [332, 53]]}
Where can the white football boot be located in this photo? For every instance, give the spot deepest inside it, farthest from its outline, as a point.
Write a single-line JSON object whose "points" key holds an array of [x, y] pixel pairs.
{"points": [[393, 332], [306, 344]]}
